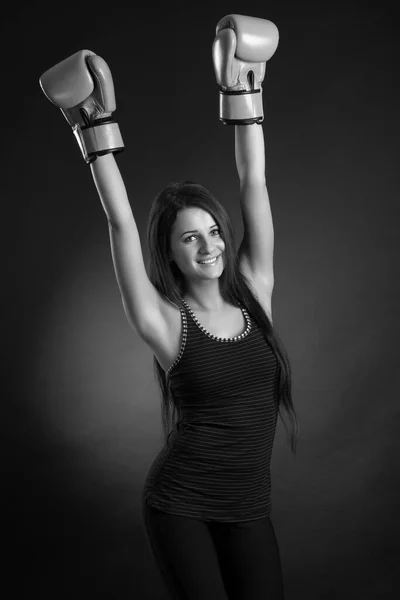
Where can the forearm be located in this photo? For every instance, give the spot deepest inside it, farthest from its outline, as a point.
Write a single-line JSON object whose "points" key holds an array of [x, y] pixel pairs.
{"points": [[111, 189], [250, 153]]}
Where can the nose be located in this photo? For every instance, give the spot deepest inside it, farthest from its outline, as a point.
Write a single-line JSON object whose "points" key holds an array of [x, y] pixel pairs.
{"points": [[207, 247]]}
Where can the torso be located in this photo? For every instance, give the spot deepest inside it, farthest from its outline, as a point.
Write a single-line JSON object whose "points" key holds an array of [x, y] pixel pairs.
{"points": [[227, 323]]}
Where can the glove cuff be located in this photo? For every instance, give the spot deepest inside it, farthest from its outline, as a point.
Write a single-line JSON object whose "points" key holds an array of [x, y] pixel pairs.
{"points": [[241, 107], [101, 137]]}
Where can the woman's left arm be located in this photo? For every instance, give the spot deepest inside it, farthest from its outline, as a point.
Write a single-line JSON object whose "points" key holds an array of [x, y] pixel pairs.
{"points": [[241, 48], [257, 248]]}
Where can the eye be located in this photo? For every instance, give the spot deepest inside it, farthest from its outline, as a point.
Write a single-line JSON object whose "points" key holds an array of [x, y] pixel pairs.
{"points": [[193, 235]]}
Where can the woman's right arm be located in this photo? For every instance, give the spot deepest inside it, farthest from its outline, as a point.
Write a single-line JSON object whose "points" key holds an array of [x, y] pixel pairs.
{"points": [[140, 299], [82, 87]]}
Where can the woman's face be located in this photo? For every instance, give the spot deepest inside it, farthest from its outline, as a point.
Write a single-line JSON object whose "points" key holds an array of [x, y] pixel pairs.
{"points": [[195, 237]]}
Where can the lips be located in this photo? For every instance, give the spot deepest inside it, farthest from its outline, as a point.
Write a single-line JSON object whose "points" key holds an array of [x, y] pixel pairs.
{"points": [[208, 259]]}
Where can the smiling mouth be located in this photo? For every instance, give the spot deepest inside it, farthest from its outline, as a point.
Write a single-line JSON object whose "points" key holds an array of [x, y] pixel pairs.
{"points": [[209, 261]]}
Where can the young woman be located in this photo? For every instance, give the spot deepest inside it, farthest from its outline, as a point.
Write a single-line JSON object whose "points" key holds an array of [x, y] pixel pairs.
{"points": [[205, 311]]}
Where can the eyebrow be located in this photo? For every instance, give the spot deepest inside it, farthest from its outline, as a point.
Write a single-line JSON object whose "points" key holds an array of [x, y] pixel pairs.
{"points": [[195, 230]]}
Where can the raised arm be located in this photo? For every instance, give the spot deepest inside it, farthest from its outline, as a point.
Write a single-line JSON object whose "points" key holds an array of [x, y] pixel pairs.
{"points": [[140, 299], [82, 87], [240, 51], [257, 247], [112, 191], [250, 154]]}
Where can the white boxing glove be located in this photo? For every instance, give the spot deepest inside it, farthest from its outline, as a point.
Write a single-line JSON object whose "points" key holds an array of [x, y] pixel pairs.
{"points": [[82, 87], [241, 49]]}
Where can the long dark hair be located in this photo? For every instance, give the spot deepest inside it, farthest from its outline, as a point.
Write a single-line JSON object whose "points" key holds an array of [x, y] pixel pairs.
{"points": [[234, 287]]}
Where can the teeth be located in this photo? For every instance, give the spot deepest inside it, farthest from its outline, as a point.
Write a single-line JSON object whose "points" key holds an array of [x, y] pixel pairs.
{"points": [[202, 262]]}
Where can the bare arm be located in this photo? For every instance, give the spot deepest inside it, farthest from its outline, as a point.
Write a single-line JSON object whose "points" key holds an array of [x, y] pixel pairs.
{"points": [[85, 79], [112, 191], [250, 153], [257, 248], [140, 299]]}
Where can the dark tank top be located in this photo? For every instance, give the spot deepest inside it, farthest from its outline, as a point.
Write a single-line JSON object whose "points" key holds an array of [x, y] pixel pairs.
{"points": [[215, 465]]}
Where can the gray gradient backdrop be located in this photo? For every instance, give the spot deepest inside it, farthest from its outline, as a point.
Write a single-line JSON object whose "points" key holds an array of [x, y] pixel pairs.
{"points": [[81, 407]]}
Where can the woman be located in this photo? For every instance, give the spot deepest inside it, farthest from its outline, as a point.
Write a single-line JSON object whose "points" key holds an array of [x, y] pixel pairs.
{"points": [[205, 311]]}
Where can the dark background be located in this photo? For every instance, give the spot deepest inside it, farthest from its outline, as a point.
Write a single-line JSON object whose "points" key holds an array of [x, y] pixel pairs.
{"points": [[81, 408]]}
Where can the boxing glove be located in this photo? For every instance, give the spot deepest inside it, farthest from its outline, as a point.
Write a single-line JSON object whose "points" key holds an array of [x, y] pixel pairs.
{"points": [[240, 51], [82, 87]]}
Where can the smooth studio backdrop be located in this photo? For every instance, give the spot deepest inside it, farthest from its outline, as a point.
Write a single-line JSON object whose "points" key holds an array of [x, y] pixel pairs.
{"points": [[81, 407]]}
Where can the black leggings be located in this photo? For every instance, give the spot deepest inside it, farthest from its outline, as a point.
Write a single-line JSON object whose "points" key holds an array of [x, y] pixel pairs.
{"points": [[201, 560]]}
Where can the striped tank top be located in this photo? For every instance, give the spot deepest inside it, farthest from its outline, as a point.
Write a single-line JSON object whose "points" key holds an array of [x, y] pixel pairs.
{"points": [[215, 465]]}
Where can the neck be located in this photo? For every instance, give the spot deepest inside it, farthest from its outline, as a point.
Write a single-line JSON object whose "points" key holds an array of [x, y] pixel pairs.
{"points": [[205, 298]]}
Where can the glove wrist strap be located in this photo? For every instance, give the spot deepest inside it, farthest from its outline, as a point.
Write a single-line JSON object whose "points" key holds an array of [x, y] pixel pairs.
{"points": [[241, 107], [99, 138]]}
